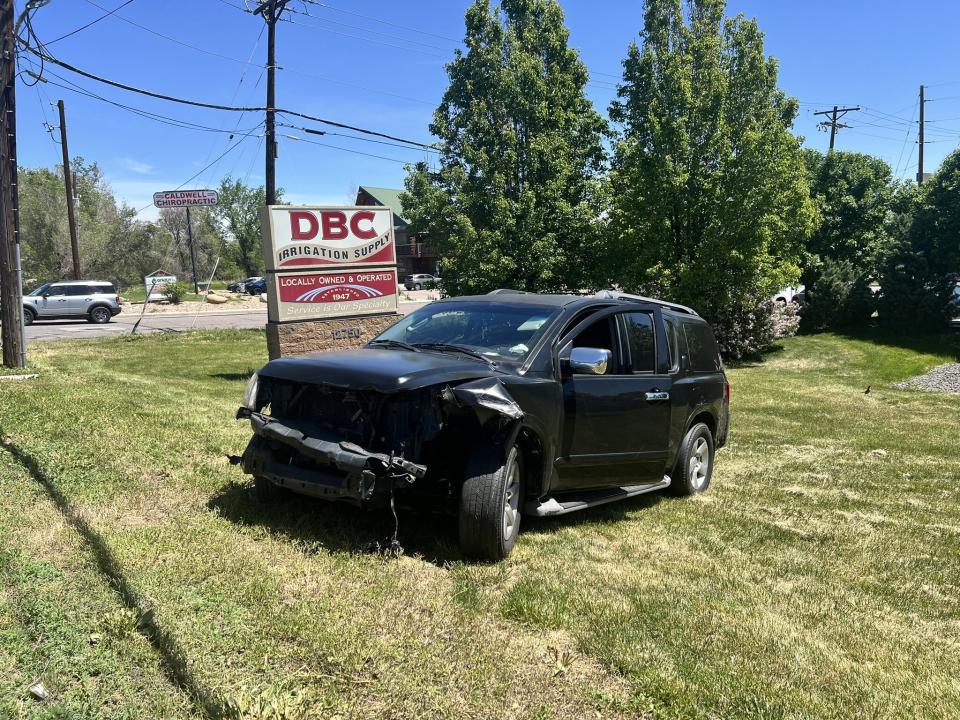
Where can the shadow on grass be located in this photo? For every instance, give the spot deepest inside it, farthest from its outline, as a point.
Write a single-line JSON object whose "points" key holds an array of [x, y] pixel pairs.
{"points": [[947, 341], [234, 376], [321, 525], [174, 662], [338, 527]]}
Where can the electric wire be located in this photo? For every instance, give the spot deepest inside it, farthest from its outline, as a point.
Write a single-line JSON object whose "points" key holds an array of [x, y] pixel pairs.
{"points": [[107, 14], [327, 6], [213, 106]]}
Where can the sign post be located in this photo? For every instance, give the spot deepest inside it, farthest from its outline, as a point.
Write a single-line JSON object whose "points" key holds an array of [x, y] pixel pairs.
{"points": [[187, 199], [332, 276]]}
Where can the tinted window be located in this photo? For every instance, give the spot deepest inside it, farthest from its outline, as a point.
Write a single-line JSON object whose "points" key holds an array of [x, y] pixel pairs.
{"points": [[103, 289], [57, 290], [40, 290], [79, 290], [641, 341], [704, 356], [671, 332]]}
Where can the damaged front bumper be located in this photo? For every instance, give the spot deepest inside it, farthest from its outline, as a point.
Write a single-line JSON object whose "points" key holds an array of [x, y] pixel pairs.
{"points": [[305, 461]]}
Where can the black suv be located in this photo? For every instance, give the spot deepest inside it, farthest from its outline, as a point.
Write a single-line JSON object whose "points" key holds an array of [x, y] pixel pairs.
{"points": [[497, 405]]}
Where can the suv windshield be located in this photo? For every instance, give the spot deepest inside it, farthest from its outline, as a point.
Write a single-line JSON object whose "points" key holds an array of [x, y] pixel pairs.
{"points": [[495, 329], [41, 290]]}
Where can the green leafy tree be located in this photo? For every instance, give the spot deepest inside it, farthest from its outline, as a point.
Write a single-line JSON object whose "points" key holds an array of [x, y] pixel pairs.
{"points": [[238, 217], [113, 244], [920, 270], [517, 199], [710, 199], [854, 195]]}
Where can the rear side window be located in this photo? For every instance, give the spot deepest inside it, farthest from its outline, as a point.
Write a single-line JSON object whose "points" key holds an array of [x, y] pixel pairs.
{"points": [[78, 290], [704, 355], [103, 289], [640, 339]]}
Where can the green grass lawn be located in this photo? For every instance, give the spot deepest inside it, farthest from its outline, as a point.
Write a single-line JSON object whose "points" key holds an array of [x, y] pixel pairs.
{"points": [[139, 578]]}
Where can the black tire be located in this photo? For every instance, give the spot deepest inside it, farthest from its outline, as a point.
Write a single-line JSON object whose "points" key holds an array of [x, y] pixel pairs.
{"points": [[100, 315], [266, 491], [688, 478], [417, 287], [485, 530], [28, 316]]}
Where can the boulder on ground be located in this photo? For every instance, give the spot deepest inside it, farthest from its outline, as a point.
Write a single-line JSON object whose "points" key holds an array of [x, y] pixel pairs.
{"points": [[216, 299], [263, 297]]}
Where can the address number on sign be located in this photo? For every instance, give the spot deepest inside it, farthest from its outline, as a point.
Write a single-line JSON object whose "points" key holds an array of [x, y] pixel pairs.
{"points": [[345, 333]]}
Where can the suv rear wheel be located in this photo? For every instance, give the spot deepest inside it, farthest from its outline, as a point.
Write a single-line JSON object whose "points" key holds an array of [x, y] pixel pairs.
{"points": [[100, 315], [695, 462], [490, 504]]}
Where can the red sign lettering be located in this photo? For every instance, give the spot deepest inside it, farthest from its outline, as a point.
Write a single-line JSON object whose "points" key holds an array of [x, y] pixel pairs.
{"points": [[297, 218]]}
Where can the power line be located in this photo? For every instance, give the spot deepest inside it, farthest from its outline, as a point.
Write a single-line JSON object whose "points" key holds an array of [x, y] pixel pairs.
{"points": [[906, 138], [351, 137], [327, 6], [349, 150], [165, 119], [204, 169], [172, 39], [367, 30], [212, 106], [92, 22]]}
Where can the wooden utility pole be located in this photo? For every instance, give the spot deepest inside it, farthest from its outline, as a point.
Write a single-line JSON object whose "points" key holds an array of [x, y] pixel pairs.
{"points": [[920, 141], [832, 123], [68, 183], [11, 281], [193, 255], [271, 10]]}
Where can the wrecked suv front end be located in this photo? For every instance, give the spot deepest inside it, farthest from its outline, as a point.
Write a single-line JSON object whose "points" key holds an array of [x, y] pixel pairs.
{"points": [[360, 443]]}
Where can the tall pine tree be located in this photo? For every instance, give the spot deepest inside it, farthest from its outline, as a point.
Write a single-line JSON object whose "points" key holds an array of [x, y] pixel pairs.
{"points": [[710, 203], [517, 200]]}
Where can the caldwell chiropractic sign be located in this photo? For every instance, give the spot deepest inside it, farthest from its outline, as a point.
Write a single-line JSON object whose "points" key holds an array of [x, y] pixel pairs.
{"points": [[327, 262]]}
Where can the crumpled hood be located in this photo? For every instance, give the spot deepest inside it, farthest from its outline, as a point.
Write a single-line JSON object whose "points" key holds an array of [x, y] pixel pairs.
{"points": [[378, 369]]}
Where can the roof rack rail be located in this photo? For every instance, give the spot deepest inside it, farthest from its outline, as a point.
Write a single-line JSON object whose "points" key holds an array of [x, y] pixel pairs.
{"points": [[617, 295], [508, 291]]}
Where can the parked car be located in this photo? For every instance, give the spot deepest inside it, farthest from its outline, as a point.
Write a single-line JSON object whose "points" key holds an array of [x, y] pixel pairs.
{"points": [[256, 286], [495, 406], [95, 300], [955, 300], [791, 294], [420, 281], [241, 285]]}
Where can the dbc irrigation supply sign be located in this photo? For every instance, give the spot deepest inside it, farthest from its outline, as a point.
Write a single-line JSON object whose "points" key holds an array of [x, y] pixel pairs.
{"points": [[185, 198], [156, 284], [332, 294], [297, 238]]}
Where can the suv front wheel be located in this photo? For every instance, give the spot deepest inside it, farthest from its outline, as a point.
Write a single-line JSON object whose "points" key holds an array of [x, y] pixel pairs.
{"points": [[694, 466], [490, 503], [28, 316]]}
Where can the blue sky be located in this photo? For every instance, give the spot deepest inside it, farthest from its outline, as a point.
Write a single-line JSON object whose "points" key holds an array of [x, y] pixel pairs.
{"points": [[379, 65]]}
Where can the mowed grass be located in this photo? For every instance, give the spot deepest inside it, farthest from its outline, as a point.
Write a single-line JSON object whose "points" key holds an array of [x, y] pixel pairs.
{"points": [[139, 578]]}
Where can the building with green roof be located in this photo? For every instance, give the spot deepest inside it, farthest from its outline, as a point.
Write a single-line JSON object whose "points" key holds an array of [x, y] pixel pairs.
{"points": [[414, 255]]}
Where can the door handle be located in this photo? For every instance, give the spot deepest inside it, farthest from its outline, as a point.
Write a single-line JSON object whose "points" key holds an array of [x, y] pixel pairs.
{"points": [[654, 396]]}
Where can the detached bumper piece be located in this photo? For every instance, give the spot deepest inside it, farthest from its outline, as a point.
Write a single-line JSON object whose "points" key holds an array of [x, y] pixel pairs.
{"points": [[322, 467]]}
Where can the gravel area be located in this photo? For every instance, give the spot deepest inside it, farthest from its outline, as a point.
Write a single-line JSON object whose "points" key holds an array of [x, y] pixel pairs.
{"points": [[943, 378]]}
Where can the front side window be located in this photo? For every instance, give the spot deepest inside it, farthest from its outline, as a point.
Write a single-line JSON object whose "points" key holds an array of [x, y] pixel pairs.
{"points": [[641, 341], [499, 330]]}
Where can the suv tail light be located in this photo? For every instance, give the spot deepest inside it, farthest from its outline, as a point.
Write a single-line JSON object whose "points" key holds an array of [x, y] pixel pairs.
{"points": [[726, 391]]}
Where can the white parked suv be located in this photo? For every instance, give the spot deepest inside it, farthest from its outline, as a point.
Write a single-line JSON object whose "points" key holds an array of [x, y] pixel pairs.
{"points": [[94, 300]]}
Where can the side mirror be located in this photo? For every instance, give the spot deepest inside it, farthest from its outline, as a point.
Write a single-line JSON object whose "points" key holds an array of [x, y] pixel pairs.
{"points": [[590, 361]]}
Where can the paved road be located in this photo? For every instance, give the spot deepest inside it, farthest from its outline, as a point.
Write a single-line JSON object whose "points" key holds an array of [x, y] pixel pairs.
{"points": [[123, 324]]}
